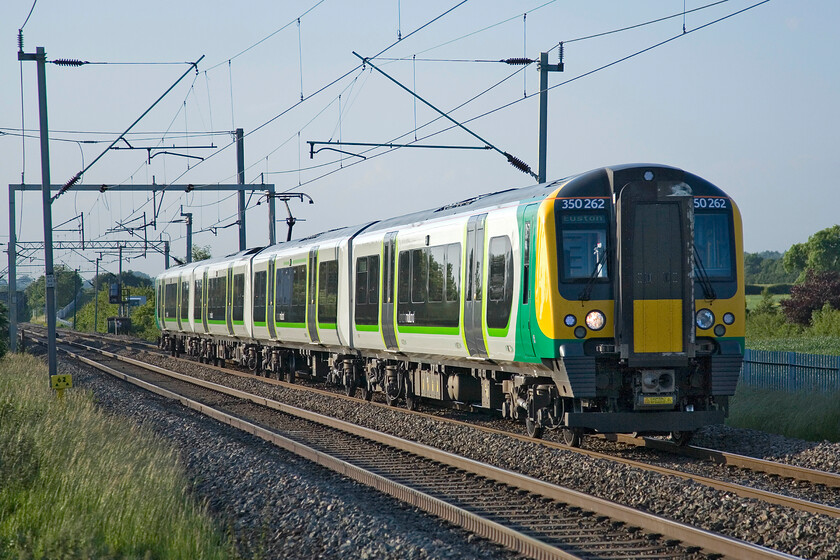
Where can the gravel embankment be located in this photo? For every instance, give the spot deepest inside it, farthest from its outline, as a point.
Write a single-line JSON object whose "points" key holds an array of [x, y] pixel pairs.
{"points": [[277, 505], [793, 532]]}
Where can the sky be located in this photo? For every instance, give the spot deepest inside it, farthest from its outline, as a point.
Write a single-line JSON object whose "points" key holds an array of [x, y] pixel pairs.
{"points": [[749, 103]]}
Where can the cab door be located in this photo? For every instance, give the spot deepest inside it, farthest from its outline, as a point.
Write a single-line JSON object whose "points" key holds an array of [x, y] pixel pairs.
{"points": [[525, 339]]}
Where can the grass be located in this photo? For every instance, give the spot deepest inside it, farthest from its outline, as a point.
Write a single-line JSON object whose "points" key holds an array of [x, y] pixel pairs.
{"points": [[754, 300], [805, 415], [76, 483]]}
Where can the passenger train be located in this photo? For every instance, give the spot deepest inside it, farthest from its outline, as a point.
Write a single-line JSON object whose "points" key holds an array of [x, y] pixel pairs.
{"points": [[611, 302]]}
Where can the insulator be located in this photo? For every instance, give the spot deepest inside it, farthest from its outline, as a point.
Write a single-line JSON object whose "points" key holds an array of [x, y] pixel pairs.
{"points": [[69, 184], [69, 62], [560, 52], [518, 163], [517, 61], [20, 40]]}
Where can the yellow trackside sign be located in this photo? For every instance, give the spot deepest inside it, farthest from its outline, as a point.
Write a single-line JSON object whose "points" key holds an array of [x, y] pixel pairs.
{"points": [[58, 382]]}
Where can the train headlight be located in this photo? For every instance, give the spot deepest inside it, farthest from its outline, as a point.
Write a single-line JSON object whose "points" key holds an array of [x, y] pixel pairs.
{"points": [[595, 320], [569, 320], [728, 318], [720, 330], [705, 318]]}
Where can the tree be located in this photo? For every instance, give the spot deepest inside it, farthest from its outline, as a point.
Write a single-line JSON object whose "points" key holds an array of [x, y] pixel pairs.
{"points": [[67, 281], [130, 279], [766, 268], [820, 253], [200, 252], [142, 317], [818, 290]]}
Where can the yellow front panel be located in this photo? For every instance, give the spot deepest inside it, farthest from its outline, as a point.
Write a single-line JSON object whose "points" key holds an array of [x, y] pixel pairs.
{"points": [[657, 325]]}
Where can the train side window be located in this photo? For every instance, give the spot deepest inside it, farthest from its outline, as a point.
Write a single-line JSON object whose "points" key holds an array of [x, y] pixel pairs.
{"points": [[500, 282], [185, 301], [373, 282], [216, 298], [260, 296], [453, 272], [197, 300], [437, 264], [419, 276], [404, 278], [367, 290], [170, 299], [238, 297], [327, 291], [290, 295]]}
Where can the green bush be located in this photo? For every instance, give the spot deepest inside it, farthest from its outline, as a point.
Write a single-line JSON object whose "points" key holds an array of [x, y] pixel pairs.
{"points": [[826, 321], [775, 289], [142, 317]]}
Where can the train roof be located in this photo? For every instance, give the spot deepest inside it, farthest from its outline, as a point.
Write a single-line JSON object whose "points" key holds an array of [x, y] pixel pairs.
{"points": [[597, 182]]}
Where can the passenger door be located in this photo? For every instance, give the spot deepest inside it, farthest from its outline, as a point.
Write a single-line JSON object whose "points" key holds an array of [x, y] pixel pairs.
{"points": [[312, 295], [389, 280], [473, 297], [272, 290]]}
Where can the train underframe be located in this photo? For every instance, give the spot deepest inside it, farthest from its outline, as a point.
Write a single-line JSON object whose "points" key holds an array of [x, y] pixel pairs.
{"points": [[599, 395]]}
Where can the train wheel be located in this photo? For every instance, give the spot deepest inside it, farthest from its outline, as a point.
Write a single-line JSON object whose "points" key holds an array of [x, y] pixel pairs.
{"points": [[366, 393], [571, 436], [350, 390], [681, 438], [533, 430], [412, 402]]}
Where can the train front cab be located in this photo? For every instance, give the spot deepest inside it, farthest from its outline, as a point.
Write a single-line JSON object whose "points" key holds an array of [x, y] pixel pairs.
{"points": [[639, 302]]}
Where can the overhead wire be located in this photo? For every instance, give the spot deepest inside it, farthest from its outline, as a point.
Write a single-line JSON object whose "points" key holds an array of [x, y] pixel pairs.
{"points": [[514, 102], [643, 24], [267, 37]]}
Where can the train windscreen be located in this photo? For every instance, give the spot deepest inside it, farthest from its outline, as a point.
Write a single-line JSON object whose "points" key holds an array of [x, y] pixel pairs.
{"points": [[584, 239], [712, 243]]}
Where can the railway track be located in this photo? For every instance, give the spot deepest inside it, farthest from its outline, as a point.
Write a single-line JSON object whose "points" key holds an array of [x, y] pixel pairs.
{"points": [[784, 471], [525, 514], [789, 472]]}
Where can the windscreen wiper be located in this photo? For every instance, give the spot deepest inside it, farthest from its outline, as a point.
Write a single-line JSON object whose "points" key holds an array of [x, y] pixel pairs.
{"points": [[586, 293], [703, 277]]}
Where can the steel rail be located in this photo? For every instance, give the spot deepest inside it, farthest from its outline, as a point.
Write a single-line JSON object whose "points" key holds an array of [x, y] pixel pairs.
{"points": [[733, 459], [709, 541]]}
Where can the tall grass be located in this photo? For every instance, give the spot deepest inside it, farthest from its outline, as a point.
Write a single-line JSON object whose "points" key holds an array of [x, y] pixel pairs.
{"points": [[76, 483], [806, 415]]}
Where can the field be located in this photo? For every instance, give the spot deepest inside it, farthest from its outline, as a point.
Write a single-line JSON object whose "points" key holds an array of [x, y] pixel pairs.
{"points": [[75, 483], [754, 300]]}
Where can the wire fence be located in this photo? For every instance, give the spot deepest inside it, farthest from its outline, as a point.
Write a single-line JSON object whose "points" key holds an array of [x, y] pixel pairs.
{"points": [[790, 371]]}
